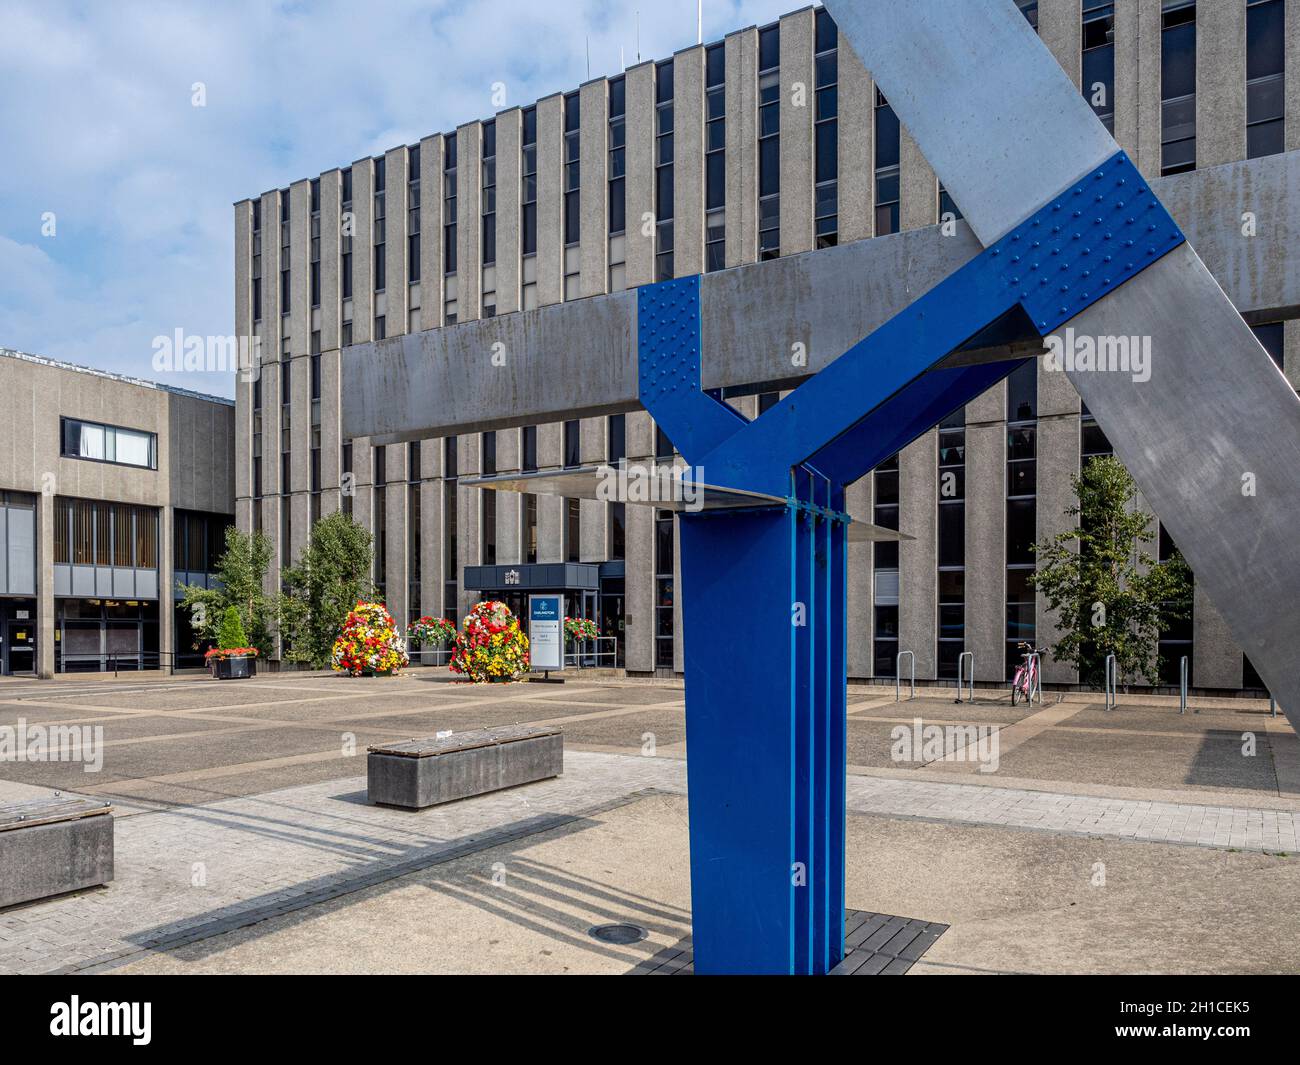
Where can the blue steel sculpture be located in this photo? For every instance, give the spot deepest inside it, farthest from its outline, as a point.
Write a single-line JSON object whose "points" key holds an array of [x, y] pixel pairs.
{"points": [[765, 693]]}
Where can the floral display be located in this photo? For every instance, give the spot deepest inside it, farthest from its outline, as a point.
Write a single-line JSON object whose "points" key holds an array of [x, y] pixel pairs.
{"points": [[430, 630], [579, 629], [218, 653], [492, 645], [370, 644]]}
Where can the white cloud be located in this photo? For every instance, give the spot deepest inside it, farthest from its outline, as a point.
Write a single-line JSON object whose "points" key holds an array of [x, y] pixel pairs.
{"points": [[98, 127]]}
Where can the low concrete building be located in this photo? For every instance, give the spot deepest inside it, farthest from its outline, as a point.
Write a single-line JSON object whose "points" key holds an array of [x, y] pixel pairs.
{"points": [[112, 490]]}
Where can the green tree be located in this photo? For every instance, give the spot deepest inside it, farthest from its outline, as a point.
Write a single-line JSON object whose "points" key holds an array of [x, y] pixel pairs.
{"points": [[1110, 596], [331, 577], [240, 574], [231, 634]]}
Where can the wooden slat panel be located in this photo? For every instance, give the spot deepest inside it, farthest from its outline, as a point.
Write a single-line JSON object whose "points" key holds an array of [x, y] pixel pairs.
{"points": [[432, 746], [47, 811]]}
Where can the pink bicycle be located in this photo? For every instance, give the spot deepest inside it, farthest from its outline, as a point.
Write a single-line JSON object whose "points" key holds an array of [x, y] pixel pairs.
{"points": [[1026, 678]]}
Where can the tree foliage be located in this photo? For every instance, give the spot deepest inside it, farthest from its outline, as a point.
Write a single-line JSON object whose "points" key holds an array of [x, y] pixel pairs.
{"points": [[240, 574], [231, 635], [1110, 596], [331, 577]]}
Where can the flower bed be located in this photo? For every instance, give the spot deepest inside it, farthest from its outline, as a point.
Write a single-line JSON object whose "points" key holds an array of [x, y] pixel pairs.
{"points": [[576, 629], [370, 644], [492, 646], [430, 630]]}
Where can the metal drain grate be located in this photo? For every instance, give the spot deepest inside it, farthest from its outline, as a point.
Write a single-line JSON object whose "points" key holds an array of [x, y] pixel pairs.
{"points": [[618, 934]]}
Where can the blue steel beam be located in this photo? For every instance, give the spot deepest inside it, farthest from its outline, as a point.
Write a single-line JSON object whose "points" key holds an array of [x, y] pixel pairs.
{"points": [[766, 747]]}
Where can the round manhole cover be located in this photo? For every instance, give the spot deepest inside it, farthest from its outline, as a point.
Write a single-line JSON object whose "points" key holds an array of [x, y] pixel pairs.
{"points": [[620, 934]]}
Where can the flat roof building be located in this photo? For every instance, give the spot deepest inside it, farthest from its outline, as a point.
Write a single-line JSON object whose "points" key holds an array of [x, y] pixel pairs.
{"points": [[771, 143], [111, 490]]}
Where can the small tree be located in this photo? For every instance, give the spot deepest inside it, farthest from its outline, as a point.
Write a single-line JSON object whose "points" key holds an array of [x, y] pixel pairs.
{"points": [[231, 634], [332, 576], [1109, 595], [241, 571]]}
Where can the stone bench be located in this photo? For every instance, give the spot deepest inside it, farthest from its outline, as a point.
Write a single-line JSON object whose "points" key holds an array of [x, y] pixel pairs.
{"points": [[53, 845], [419, 773]]}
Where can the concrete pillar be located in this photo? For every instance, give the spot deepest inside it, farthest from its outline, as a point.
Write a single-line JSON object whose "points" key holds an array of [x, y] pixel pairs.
{"points": [[860, 619], [469, 507], [244, 328], [509, 200], [469, 221], [45, 608], [639, 591], [1058, 461], [986, 551], [431, 541], [1216, 658], [798, 108], [330, 258], [550, 509], [1291, 77], [1128, 88], [397, 568], [1149, 52], [363, 228], [741, 92], [432, 155], [1221, 85], [508, 503], [857, 95], [550, 200], [918, 476], [396, 171], [639, 190], [595, 513], [688, 162], [918, 204], [1060, 26], [593, 194]]}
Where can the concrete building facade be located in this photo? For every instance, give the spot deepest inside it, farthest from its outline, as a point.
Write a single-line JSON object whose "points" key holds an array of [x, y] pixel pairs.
{"points": [[113, 490], [770, 143]]}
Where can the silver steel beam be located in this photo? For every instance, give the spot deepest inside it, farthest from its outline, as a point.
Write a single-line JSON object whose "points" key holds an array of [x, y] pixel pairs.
{"points": [[1213, 436]]}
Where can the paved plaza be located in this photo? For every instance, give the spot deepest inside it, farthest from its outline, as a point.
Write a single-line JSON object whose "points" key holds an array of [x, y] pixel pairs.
{"points": [[1136, 839]]}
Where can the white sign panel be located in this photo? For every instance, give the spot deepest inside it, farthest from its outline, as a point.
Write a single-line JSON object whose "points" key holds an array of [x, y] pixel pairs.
{"points": [[546, 632]]}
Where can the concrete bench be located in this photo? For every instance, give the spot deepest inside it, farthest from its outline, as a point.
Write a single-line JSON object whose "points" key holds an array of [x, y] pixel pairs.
{"points": [[53, 845], [419, 773]]}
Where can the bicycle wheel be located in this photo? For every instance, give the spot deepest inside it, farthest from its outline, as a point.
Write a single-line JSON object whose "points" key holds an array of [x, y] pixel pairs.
{"points": [[1015, 690]]}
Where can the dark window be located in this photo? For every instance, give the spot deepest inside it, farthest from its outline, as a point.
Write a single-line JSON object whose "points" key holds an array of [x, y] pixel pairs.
{"points": [[1178, 89], [1265, 70]]}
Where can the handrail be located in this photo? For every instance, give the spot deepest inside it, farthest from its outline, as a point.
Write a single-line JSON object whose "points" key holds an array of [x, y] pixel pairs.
{"points": [[1111, 681], [961, 660], [579, 659], [898, 674], [113, 659], [1035, 665]]}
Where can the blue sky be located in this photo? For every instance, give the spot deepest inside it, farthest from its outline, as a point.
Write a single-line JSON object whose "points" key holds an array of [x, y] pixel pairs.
{"points": [[98, 128]]}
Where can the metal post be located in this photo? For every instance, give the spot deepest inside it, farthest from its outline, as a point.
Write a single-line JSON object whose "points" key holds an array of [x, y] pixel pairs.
{"points": [[961, 662], [1036, 678], [898, 674], [1272, 706], [1112, 700], [1182, 685]]}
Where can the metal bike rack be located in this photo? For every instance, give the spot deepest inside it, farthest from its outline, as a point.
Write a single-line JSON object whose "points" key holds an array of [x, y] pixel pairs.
{"points": [[898, 675], [1182, 685], [1035, 664], [1112, 699], [970, 678]]}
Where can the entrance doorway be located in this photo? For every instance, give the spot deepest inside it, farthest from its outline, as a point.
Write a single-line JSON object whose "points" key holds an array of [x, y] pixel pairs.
{"points": [[18, 636]]}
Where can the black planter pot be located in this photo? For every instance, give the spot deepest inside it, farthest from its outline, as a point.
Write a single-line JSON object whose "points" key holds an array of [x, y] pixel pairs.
{"points": [[234, 668]]}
